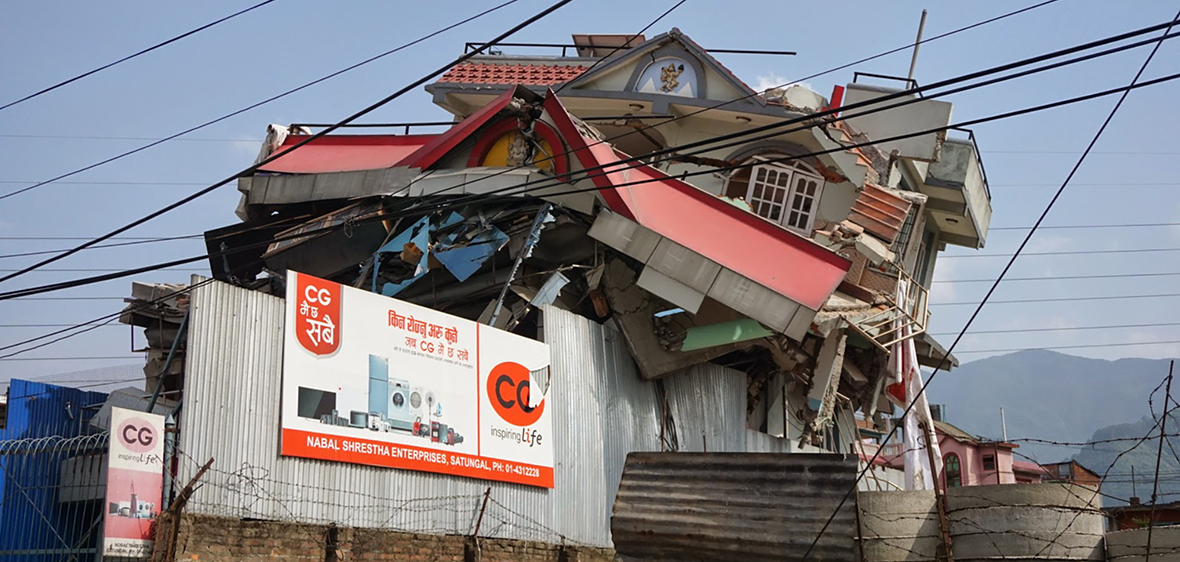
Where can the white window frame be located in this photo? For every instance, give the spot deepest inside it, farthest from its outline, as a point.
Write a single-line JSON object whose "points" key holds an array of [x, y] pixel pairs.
{"points": [[791, 192]]}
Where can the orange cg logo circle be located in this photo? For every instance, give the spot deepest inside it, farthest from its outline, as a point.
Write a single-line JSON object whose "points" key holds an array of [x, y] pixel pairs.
{"points": [[508, 391]]}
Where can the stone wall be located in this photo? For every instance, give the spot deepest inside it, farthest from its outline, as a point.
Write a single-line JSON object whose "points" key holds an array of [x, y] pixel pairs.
{"points": [[216, 539]]}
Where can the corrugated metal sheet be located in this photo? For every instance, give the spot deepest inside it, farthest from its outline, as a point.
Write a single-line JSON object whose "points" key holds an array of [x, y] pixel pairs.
{"points": [[708, 403], [602, 411], [734, 506]]}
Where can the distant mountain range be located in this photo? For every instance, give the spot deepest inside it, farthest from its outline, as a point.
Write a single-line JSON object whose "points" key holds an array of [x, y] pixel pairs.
{"points": [[1057, 397]]}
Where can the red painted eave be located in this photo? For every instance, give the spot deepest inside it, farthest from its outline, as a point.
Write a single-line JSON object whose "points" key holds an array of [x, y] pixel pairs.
{"points": [[438, 147], [344, 153], [764, 252]]}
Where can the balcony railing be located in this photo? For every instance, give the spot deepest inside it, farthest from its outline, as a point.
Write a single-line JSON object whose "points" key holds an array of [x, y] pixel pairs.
{"points": [[900, 321]]}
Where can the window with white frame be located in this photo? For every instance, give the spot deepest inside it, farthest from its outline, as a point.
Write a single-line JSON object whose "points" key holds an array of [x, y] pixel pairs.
{"points": [[786, 195]]}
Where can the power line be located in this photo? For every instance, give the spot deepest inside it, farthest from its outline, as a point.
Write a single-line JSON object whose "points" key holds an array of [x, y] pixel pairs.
{"points": [[70, 299], [1127, 344], [107, 269], [134, 55], [255, 167], [179, 183], [313, 137], [1064, 299], [106, 319], [462, 202], [1076, 226], [97, 137], [997, 18], [1066, 329], [476, 51], [115, 245], [90, 358], [165, 239], [1061, 277], [266, 101], [815, 119], [1067, 253], [813, 116], [999, 279], [1064, 102], [58, 325]]}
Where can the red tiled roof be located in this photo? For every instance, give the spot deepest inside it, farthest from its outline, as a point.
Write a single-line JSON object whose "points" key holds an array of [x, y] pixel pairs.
{"points": [[529, 74]]}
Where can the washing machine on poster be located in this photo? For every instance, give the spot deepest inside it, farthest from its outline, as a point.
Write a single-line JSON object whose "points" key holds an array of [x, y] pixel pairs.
{"points": [[399, 405]]}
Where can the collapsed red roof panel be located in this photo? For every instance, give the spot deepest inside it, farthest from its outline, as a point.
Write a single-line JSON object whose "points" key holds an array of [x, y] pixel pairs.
{"points": [[343, 153], [766, 253]]}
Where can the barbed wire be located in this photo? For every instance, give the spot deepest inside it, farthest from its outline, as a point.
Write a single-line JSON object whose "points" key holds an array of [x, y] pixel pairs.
{"points": [[249, 491]]}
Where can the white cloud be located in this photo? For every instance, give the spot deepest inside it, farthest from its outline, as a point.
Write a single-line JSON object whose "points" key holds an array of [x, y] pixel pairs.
{"points": [[771, 80]]}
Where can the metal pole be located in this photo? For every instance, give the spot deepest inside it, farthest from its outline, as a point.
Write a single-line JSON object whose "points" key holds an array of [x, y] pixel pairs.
{"points": [[1003, 426], [944, 523], [1133, 492], [180, 333], [169, 454], [1158, 455], [917, 43], [525, 250], [484, 507]]}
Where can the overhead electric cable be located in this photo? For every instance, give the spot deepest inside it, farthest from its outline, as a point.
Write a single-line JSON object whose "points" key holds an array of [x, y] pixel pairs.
{"points": [[313, 137], [1060, 277], [903, 136], [255, 167], [1063, 299], [1049, 207], [134, 55], [304, 86], [953, 32], [1126, 344], [1065, 329], [125, 273]]}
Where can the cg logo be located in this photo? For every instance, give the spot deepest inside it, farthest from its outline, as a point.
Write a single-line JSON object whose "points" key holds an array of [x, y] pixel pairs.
{"points": [[137, 435], [508, 391]]}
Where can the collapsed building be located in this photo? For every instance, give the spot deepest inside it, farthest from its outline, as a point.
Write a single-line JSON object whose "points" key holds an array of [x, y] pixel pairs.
{"points": [[786, 264]]}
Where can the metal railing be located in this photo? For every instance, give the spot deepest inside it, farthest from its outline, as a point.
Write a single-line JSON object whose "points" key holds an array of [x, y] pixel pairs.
{"points": [[53, 490], [978, 159], [405, 126], [900, 321], [910, 83], [474, 45]]}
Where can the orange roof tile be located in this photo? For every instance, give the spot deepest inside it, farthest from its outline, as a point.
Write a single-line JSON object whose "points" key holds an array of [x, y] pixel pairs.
{"points": [[528, 74]]}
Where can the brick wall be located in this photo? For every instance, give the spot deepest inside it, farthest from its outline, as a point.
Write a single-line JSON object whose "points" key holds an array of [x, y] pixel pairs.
{"points": [[215, 539]]}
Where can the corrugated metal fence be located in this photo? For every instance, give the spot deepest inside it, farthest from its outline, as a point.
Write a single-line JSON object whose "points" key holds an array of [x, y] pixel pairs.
{"points": [[53, 489], [602, 411], [735, 506]]}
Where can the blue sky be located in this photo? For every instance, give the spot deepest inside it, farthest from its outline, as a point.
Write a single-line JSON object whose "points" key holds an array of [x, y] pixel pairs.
{"points": [[290, 42]]}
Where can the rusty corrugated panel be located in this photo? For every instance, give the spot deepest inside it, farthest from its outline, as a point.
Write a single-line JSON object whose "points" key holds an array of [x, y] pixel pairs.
{"points": [[879, 212], [734, 506]]}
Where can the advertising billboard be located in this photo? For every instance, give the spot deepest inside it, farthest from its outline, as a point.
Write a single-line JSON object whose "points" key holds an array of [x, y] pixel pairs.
{"points": [[135, 483], [369, 379]]}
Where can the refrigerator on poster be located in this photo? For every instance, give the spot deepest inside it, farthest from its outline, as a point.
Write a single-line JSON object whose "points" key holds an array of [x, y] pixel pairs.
{"points": [[369, 379], [135, 482]]}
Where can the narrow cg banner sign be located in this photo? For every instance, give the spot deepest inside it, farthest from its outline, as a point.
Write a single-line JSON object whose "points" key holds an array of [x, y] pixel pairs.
{"points": [[135, 483], [368, 379]]}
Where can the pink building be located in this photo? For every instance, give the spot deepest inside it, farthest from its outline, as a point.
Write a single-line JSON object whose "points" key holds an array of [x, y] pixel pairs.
{"points": [[970, 461]]}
